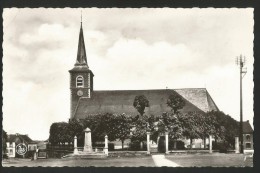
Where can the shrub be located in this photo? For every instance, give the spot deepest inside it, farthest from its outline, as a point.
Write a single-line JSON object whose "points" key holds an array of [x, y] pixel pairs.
{"points": [[221, 146], [179, 146], [136, 146]]}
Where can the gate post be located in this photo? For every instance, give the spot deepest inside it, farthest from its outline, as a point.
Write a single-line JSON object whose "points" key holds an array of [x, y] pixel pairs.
{"points": [[236, 145], [75, 146], [106, 146], [210, 144], [148, 142]]}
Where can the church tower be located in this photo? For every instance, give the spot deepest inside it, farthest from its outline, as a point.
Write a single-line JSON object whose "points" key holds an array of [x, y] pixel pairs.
{"points": [[81, 77]]}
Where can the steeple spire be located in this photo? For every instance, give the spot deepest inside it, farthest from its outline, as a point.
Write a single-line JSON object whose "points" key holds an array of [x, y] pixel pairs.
{"points": [[81, 19], [81, 56]]}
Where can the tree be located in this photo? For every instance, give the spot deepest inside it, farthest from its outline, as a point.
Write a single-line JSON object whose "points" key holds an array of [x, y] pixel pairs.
{"points": [[191, 126], [169, 122], [176, 102], [140, 103], [100, 125], [59, 133], [226, 128], [141, 126], [4, 140], [121, 127]]}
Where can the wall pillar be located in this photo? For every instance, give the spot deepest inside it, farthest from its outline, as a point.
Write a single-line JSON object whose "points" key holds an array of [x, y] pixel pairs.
{"points": [[210, 144], [106, 146], [166, 143], [148, 142], [88, 141], [236, 144], [75, 146]]}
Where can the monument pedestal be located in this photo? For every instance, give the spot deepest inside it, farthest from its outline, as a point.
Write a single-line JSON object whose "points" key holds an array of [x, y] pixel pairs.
{"points": [[88, 141], [87, 152]]}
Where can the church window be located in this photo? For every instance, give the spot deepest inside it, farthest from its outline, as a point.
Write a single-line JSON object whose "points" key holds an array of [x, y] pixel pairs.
{"points": [[79, 81]]}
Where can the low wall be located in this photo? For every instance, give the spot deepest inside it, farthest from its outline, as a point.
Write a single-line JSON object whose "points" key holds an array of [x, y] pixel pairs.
{"points": [[127, 153]]}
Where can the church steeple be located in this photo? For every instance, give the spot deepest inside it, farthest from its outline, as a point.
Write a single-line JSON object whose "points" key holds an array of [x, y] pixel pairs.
{"points": [[81, 77], [81, 55]]}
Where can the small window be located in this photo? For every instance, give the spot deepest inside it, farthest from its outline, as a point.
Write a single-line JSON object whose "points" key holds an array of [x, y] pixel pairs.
{"points": [[248, 137], [79, 81], [248, 145]]}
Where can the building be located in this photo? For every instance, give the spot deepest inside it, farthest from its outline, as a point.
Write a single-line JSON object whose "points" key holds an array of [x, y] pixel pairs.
{"points": [[14, 139], [87, 101], [247, 137]]}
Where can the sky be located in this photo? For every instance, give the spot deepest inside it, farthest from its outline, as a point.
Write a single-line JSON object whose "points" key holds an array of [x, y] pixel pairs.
{"points": [[127, 48]]}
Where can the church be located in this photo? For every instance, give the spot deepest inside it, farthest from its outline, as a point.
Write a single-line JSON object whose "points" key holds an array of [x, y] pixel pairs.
{"points": [[87, 101]]}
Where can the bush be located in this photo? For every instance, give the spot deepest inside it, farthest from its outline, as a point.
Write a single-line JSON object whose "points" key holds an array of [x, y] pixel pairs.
{"points": [[5, 156], [136, 146], [221, 146], [179, 146]]}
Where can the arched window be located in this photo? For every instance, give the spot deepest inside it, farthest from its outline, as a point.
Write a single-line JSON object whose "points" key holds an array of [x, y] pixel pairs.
{"points": [[79, 81]]}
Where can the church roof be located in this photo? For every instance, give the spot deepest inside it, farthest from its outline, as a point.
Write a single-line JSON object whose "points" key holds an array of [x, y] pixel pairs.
{"points": [[121, 101], [198, 97]]}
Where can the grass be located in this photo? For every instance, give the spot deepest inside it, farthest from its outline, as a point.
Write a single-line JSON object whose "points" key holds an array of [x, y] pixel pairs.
{"points": [[184, 160], [211, 160], [116, 162]]}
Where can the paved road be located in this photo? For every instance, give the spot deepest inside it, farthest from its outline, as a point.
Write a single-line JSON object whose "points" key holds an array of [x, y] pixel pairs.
{"points": [[160, 160]]}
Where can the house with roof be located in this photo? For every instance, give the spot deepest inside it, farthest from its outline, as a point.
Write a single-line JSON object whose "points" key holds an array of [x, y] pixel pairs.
{"points": [[14, 139], [247, 137], [86, 101]]}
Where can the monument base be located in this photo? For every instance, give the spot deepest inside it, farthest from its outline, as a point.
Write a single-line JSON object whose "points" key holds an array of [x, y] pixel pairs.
{"points": [[87, 149]]}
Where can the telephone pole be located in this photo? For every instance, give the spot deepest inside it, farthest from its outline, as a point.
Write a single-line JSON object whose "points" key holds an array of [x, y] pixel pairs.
{"points": [[240, 61]]}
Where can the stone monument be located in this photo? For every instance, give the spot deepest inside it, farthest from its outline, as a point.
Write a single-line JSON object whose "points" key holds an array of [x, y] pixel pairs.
{"points": [[87, 141], [88, 152]]}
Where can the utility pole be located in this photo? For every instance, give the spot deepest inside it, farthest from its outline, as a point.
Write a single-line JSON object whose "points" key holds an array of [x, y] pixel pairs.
{"points": [[240, 61]]}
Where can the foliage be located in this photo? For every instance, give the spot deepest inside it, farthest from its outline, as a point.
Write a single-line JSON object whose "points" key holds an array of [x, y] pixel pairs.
{"points": [[226, 127], [176, 102], [190, 125], [76, 127], [141, 126], [59, 133], [4, 140], [140, 103], [100, 126], [169, 122], [121, 127]]}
